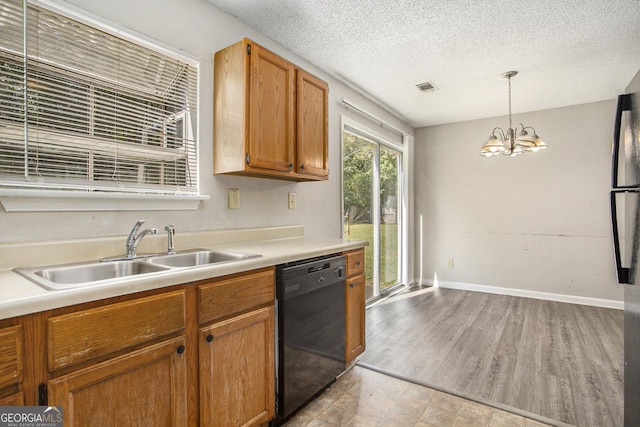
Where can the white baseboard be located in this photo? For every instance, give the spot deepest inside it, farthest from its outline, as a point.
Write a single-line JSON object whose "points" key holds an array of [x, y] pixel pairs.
{"points": [[572, 299]]}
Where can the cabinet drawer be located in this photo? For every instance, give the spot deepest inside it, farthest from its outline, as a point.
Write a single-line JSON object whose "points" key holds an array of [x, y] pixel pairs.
{"points": [[84, 335], [10, 356], [355, 262], [235, 295]]}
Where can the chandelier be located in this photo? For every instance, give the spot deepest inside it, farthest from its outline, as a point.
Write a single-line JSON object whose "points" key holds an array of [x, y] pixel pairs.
{"points": [[512, 142]]}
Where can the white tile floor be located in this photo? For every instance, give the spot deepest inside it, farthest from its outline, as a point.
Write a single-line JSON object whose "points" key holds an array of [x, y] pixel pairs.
{"points": [[363, 397]]}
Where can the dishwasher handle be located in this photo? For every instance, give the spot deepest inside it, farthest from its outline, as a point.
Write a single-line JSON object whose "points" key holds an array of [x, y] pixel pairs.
{"points": [[315, 268]]}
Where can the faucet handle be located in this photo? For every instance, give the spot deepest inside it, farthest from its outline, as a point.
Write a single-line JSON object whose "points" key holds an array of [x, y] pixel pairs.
{"points": [[134, 230], [136, 227]]}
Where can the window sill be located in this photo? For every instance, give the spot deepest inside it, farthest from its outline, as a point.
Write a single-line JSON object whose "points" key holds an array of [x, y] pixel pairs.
{"points": [[70, 201]]}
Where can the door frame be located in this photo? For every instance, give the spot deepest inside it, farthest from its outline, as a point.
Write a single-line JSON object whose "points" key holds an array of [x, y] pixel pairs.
{"points": [[403, 197]]}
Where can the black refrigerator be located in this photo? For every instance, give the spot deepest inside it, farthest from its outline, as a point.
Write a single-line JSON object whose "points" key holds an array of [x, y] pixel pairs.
{"points": [[625, 216]]}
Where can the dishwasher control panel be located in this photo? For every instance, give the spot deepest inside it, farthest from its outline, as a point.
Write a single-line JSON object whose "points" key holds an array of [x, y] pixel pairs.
{"points": [[307, 276]]}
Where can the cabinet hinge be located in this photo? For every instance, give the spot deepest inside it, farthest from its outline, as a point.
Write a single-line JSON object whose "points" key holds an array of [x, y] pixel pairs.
{"points": [[43, 397], [248, 49], [247, 158]]}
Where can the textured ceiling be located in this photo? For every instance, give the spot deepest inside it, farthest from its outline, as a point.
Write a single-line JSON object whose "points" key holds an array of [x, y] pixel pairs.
{"points": [[567, 52]]}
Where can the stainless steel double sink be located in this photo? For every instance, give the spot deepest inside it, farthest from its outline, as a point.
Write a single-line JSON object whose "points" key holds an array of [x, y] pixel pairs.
{"points": [[69, 276]]}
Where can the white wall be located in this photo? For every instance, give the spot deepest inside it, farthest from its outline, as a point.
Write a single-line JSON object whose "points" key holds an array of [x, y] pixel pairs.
{"points": [[200, 29], [539, 221]]}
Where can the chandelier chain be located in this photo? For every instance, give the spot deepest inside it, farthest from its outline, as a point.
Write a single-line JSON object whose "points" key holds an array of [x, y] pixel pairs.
{"points": [[510, 124]]}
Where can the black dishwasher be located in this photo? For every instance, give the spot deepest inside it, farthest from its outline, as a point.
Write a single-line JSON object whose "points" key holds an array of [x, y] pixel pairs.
{"points": [[311, 330]]}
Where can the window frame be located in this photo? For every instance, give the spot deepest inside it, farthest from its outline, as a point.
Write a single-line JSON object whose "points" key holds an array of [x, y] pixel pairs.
{"points": [[41, 197]]}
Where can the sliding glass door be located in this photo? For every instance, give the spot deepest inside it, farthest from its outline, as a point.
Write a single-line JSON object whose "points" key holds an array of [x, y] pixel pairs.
{"points": [[372, 171]]}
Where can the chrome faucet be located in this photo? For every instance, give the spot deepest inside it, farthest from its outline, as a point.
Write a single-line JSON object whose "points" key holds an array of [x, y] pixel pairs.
{"points": [[171, 232], [134, 239]]}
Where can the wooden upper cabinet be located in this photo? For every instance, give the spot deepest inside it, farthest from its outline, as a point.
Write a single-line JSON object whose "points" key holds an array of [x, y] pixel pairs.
{"points": [[270, 117], [312, 135], [271, 111]]}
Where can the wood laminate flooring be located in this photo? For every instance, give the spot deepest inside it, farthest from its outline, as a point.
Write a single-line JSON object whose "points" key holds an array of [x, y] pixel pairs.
{"points": [[562, 361]]}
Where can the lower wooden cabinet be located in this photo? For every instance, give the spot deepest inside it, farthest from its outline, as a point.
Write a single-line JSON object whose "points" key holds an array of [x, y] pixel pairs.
{"points": [[11, 366], [237, 370], [147, 387], [355, 317], [16, 399], [200, 354], [355, 305]]}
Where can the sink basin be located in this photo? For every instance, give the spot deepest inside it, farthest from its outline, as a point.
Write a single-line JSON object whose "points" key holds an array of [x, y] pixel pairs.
{"points": [[199, 257], [72, 276], [95, 272], [116, 271]]}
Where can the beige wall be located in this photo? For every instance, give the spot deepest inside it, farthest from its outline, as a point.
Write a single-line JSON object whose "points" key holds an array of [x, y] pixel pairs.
{"points": [[537, 222], [200, 29]]}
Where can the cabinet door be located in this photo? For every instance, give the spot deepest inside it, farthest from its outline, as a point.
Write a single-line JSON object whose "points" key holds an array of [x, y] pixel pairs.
{"points": [[11, 365], [271, 111], [147, 387], [312, 120], [355, 317], [237, 370], [10, 356]]}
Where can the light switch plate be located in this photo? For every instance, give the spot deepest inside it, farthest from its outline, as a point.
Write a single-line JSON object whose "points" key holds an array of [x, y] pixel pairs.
{"points": [[233, 198], [292, 200]]}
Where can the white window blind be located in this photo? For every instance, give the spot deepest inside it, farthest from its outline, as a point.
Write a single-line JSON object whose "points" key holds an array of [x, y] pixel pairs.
{"points": [[84, 109]]}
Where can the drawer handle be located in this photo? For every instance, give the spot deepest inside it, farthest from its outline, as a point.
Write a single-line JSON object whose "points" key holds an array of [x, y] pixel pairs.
{"points": [[358, 263], [209, 338], [180, 349]]}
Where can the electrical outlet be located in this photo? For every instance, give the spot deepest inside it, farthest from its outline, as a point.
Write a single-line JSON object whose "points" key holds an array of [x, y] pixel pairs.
{"points": [[450, 263], [292, 200], [233, 198]]}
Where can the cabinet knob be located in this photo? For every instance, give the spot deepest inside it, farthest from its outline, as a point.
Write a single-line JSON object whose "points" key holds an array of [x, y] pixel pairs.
{"points": [[290, 166], [180, 349], [351, 285], [301, 167], [209, 338]]}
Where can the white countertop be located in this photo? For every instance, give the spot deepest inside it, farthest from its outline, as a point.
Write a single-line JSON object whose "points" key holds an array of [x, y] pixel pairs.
{"points": [[19, 296]]}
